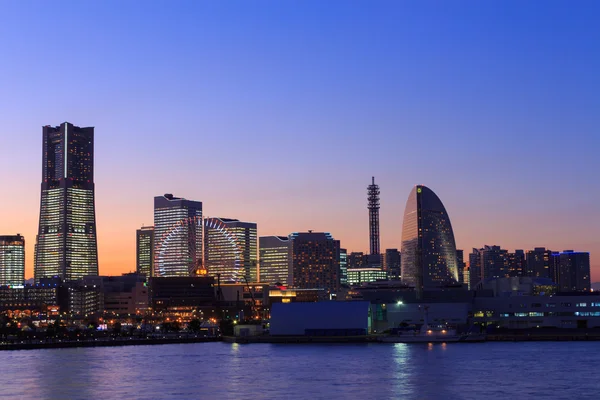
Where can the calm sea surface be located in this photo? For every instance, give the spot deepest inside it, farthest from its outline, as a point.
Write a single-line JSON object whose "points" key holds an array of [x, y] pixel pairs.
{"points": [[568, 370]]}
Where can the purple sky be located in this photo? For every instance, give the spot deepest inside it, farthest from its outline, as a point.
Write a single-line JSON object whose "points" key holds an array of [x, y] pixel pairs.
{"points": [[280, 113]]}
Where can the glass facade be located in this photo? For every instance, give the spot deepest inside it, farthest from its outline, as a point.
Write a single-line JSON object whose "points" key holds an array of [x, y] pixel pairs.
{"points": [[144, 244], [12, 260], [357, 276], [343, 267], [177, 236], [275, 259], [66, 244], [230, 249], [428, 246]]}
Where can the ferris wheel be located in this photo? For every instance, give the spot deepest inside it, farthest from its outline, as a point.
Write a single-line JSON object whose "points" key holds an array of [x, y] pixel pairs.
{"points": [[172, 249], [170, 244], [231, 268]]}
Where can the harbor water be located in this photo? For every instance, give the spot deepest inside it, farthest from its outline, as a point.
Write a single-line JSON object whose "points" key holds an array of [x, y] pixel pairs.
{"points": [[549, 370]]}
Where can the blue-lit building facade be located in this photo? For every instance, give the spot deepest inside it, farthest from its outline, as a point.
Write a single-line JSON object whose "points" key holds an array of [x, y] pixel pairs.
{"points": [[428, 245], [177, 236], [66, 243]]}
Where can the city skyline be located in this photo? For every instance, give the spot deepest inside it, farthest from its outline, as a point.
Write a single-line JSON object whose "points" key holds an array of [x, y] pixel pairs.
{"points": [[365, 245], [516, 140]]}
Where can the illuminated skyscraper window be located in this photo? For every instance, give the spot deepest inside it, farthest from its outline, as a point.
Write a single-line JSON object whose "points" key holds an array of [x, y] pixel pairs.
{"points": [[177, 236], [12, 260], [230, 250], [66, 244], [275, 260], [144, 240], [428, 246], [316, 257]]}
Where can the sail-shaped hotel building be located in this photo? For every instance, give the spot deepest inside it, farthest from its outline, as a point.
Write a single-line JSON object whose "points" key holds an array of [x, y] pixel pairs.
{"points": [[428, 246]]}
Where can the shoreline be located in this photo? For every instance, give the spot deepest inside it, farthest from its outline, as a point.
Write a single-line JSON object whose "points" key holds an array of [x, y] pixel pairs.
{"points": [[367, 339], [105, 343]]}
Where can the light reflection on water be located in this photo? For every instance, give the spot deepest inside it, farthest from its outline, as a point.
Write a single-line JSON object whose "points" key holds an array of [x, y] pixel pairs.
{"points": [[380, 371]]}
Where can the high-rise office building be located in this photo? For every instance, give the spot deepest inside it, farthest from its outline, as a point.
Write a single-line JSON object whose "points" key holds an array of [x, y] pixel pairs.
{"points": [[494, 262], [316, 258], [144, 244], [275, 256], [230, 250], [428, 246], [357, 259], [467, 277], [538, 263], [12, 260], [475, 273], [461, 265], [516, 263], [343, 267], [66, 243], [177, 236], [393, 263], [573, 271]]}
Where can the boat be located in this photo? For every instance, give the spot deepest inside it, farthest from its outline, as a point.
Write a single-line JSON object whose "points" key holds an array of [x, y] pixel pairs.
{"points": [[427, 334], [441, 333]]}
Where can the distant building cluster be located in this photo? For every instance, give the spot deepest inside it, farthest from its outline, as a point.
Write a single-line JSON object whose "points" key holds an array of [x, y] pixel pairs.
{"points": [[188, 262], [568, 269]]}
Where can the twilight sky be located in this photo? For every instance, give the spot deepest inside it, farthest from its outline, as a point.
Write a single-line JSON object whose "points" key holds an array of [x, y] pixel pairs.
{"points": [[279, 112]]}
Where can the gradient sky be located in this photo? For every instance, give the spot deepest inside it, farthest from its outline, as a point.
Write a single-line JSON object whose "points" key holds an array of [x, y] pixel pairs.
{"points": [[279, 112]]}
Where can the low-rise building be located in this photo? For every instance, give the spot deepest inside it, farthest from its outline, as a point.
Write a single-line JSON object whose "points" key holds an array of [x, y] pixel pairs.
{"points": [[358, 276], [183, 297], [290, 295], [560, 311], [325, 318]]}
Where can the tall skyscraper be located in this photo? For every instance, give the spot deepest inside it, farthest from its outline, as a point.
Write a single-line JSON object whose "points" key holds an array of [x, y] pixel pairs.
{"points": [[428, 246], [275, 259], [573, 271], [316, 260], [177, 236], [144, 239], [538, 262], [230, 249], [343, 267], [393, 262], [373, 198], [12, 260], [66, 243]]}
